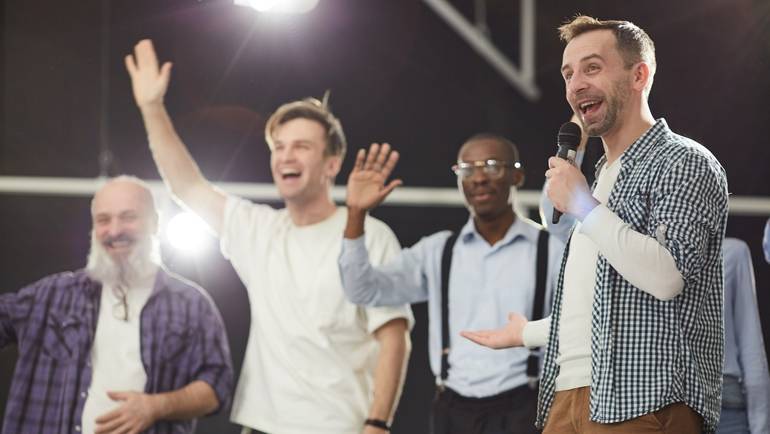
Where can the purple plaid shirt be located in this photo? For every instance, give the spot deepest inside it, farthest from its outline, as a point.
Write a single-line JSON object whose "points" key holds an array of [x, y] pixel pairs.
{"points": [[53, 321]]}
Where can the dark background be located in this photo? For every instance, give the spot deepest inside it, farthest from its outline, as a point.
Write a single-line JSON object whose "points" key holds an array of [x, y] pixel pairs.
{"points": [[397, 73]]}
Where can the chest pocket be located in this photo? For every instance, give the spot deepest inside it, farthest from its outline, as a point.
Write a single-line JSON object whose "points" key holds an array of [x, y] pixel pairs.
{"points": [[176, 340], [62, 337]]}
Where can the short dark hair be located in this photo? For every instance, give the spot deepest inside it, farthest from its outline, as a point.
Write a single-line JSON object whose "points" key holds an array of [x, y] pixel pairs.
{"points": [[497, 138], [314, 110]]}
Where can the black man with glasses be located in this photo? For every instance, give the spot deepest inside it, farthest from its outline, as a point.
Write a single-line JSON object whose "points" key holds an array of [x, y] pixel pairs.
{"points": [[120, 346], [499, 262]]}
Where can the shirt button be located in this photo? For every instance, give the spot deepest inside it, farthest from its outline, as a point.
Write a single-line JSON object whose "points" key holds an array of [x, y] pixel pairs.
{"points": [[82, 394], [77, 428]]}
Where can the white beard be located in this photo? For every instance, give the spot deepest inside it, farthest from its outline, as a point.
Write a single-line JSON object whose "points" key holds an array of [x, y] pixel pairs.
{"points": [[140, 264]]}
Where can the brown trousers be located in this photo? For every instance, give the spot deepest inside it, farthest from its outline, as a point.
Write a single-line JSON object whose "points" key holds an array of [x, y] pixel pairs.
{"points": [[569, 415]]}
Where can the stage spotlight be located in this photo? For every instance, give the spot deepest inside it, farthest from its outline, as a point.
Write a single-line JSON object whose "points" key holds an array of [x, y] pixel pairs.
{"points": [[187, 233], [279, 6]]}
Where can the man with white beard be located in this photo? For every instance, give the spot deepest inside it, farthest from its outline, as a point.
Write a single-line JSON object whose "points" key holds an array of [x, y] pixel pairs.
{"points": [[122, 346]]}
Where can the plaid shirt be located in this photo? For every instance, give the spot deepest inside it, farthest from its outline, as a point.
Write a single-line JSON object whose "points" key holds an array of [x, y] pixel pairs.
{"points": [[53, 321], [647, 353]]}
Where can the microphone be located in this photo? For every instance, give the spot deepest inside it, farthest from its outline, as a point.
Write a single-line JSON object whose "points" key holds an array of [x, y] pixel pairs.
{"points": [[567, 140]]}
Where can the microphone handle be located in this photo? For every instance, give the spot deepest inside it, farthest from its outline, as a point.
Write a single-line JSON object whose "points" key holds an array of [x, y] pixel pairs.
{"points": [[568, 154], [556, 216]]}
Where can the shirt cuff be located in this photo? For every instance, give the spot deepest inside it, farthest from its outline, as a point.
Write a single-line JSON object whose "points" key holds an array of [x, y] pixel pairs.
{"points": [[597, 220], [352, 250], [535, 333]]}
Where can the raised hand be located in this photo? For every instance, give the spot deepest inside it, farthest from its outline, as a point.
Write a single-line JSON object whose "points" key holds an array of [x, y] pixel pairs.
{"points": [[136, 413], [366, 185], [511, 335], [148, 81]]}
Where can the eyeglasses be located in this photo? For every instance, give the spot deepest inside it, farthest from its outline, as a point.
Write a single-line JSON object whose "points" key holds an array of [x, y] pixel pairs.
{"points": [[492, 168], [120, 308]]}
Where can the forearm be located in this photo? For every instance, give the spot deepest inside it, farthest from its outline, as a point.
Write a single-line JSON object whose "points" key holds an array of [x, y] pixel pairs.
{"points": [[639, 258], [194, 400], [178, 169], [393, 284], [174, 161], [390, 373], [354, 228]]}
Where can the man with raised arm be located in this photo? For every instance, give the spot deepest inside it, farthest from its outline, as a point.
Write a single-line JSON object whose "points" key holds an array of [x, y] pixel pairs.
{"points": [[314, 362], [497, 263], [122, 346], [635, 339]]}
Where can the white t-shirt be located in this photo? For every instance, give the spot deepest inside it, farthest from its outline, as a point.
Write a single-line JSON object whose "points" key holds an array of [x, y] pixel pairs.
{"points": [[579, 280], [311, 355], [116, 354]]}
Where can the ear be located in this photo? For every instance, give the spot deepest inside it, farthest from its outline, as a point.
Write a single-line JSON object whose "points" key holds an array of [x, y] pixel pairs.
{"points": [[518, 178], [332, 166], [641, 74]]}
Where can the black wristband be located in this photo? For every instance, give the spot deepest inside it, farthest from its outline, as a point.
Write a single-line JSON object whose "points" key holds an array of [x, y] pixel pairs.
{"points": [[379, 423]]}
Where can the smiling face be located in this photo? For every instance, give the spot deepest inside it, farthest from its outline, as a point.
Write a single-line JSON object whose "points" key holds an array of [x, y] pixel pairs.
{"points": [[123, 217], [301, 168], [598, 83], [488, 196]]}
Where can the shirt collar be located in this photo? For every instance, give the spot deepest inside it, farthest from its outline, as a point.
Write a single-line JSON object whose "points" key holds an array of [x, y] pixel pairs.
{"points": [[521, 227], [640, 147]]}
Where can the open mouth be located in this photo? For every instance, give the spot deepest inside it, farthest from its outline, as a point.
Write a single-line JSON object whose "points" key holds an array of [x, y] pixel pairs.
{"points": [[589, 107], [118, 243], [287, 174]]}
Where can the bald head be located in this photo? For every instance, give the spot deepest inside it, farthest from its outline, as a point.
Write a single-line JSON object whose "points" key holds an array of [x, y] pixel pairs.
{"points": [[125, 188]]}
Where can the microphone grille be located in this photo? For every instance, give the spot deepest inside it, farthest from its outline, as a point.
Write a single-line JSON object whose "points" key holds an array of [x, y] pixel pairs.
{"points": [[569, 135]]}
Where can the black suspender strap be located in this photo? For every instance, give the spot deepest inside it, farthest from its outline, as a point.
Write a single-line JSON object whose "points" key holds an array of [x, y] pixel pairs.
{"points": [[446, 263], [541, 278]]}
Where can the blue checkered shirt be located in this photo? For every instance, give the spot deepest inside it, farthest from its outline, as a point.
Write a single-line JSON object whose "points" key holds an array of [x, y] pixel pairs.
{"points": [[53, 321], [647, 353]]}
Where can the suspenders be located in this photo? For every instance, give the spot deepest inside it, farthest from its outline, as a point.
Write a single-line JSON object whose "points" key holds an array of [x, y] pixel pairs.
{"points": [[446, 262], [541, 269]]}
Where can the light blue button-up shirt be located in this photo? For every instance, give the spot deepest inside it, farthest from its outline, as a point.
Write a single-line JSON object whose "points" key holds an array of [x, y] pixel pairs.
{"points": [[744, 348], [486, 283]]}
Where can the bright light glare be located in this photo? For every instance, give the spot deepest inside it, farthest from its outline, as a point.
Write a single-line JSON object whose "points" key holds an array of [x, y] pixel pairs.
{"points": [[187, 233], [279, 6]]}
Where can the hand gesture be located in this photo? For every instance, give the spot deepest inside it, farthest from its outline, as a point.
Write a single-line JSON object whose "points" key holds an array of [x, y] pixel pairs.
{"points": [[134, 415], [567, 189], [366, 184], [148, 81], [511, 335]]}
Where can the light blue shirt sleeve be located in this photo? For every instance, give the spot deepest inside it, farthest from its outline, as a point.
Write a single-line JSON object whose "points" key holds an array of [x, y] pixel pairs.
{"points": [[400, 281], [744, 346]]}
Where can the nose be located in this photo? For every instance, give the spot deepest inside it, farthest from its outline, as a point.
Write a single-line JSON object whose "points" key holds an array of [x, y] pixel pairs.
{"points": [[288, 154], [576, 84], [114, 228], [478, 176]]}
